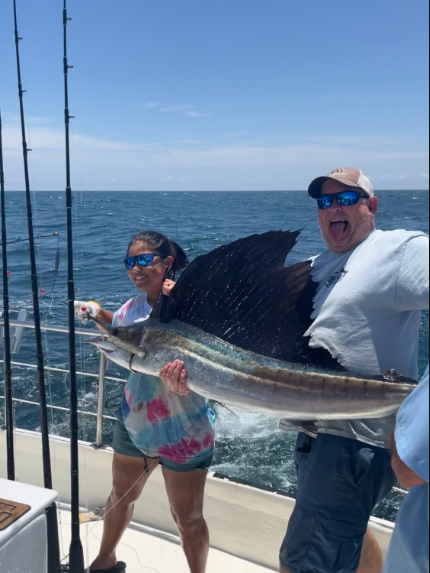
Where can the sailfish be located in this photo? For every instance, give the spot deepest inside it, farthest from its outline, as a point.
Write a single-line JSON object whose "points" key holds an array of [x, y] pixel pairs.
{"points": [[238, 319]]}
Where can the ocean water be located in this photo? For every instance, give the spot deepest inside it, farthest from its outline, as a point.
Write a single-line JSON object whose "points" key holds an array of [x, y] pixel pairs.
{"points": [[249, 447]]}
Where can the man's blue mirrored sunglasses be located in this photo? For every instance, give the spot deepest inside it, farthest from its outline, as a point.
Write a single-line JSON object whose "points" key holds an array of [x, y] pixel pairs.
{"points": [[344, 199], [145, 260]]}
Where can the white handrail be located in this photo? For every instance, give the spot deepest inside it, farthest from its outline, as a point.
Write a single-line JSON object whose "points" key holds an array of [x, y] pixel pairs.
{"points": [[100, 376], [61, 408], [53, 328], [61, 371]]}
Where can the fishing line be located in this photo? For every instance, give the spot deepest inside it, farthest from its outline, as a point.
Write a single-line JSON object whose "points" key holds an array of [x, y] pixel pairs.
{"points": [[146, 471], [134, 551], [46, 309], [46, 336], [7, 343], [34, 279], [54, 553]]}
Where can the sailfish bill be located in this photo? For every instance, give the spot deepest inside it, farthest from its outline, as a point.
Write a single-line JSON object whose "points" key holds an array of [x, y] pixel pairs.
{"points": [[237, 318]]}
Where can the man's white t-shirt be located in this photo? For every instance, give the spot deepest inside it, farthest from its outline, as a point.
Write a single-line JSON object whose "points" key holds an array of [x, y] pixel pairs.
{"points": [[368, 314]]}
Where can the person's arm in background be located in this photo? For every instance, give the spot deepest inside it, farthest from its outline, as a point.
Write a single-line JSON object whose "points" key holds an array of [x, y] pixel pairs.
{"points": [[406, 477], [413, 284], [410, 457]]}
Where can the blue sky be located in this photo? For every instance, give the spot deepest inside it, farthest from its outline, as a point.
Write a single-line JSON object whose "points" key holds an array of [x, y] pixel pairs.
{"points": [[226, 95]]}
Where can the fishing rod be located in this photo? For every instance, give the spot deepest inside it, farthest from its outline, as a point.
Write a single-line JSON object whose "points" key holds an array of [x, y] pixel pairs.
{"points": [[76, 555], [47, 472], [6, 317]]}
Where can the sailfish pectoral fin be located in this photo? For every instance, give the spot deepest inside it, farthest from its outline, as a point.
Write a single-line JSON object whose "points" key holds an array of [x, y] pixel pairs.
{"points": [[308, 427]]}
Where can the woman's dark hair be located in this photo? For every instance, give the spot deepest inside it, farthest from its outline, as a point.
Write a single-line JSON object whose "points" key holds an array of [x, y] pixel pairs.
{"points": [[163, 246]]}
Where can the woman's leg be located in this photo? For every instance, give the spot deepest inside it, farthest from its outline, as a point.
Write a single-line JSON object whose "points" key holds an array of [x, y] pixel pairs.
{"points": [[129, 479], [186, 497]]}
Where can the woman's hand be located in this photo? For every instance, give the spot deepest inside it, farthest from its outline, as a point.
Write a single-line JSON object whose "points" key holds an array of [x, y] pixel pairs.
{"points": [[83, 310], [168, 287], [175, 377]]}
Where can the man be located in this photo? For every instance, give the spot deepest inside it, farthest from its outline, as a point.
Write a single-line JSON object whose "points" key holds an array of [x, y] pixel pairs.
{"points": [[409, 549], [373, 287]]}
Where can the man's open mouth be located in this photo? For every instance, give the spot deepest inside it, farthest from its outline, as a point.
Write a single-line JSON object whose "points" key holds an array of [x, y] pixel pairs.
{"points": [[338, 229]]}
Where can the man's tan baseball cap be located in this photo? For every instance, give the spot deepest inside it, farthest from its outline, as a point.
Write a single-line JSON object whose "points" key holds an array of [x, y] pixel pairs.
{"points": [[345, 175]]}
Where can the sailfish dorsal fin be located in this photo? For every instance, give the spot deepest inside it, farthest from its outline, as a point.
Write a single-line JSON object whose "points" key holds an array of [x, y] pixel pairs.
{"points": [[243, 293]]}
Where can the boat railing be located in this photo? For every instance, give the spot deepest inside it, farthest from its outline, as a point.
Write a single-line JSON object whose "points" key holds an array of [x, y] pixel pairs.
{"points": [[21, 325]]}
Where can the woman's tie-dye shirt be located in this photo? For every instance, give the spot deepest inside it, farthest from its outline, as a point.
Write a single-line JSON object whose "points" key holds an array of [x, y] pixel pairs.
{"points": [[160, 423]]}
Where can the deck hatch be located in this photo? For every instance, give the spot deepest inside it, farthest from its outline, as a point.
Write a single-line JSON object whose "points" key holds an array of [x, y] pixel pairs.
{"points": [[10, 512]]}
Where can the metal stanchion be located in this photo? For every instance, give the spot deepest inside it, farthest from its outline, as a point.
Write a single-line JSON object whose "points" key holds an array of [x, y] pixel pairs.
{"points": [[102, 373]]}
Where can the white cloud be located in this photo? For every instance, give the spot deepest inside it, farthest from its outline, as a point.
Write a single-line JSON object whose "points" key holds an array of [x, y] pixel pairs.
{"points": [[187, 142], [194, 166], [175, 108], [51, 138], [233, 135], [182, 109], [397, 177], [362, 140], [191, 113]]}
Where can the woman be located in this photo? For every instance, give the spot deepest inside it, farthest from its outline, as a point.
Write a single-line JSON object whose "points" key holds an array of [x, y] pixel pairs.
{"points": [[159, 427]]}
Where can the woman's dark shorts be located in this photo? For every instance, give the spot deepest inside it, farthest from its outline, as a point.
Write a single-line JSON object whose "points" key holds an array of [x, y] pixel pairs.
{"points": [[340, 483], [123, 445]]}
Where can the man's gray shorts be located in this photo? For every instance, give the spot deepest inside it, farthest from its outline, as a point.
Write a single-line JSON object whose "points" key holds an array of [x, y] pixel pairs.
{"points": [[340, 483]]}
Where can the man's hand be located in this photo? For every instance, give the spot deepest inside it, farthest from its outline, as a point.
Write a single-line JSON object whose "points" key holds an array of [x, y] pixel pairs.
{"points": [[405, 476], [83, 310], [175, 377]]}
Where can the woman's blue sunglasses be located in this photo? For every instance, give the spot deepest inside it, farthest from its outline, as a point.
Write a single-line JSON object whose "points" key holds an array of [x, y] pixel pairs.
{"points": [[344, 199], [141, 260]]}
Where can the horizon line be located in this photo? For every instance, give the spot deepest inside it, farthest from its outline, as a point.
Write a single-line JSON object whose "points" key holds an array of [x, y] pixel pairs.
{"points": [[201, 191]]}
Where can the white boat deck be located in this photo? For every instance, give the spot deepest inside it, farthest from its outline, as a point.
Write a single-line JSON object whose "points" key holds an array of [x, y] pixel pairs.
{"points": [[246, 525], [146, 550]]}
